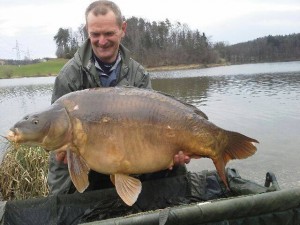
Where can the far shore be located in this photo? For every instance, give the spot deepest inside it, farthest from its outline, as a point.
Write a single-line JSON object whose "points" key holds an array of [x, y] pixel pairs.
{"points": [[149, 69], [184, 67]]}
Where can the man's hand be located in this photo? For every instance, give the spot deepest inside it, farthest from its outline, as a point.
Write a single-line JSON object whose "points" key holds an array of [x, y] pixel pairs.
{"points": [[61, 157], [180, 159]]}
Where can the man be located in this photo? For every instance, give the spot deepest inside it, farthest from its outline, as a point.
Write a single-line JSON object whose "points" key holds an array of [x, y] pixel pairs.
{"points": [[100, 62]]}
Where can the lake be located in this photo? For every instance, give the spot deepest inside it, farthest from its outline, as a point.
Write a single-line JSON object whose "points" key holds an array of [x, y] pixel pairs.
{"points": [[258, 100]]}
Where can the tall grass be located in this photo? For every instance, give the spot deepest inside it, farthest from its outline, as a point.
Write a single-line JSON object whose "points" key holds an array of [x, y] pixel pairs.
{"points": [[23, 173]]}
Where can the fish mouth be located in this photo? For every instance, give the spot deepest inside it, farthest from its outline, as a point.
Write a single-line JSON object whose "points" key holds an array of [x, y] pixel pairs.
{"points": [[13, 136]]}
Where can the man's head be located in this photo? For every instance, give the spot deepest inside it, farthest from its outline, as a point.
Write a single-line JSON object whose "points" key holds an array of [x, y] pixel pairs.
{"points": [[106, 28]]}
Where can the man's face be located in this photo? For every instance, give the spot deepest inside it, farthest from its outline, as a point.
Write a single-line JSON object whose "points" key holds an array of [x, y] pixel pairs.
{"points": [[105, 35]]}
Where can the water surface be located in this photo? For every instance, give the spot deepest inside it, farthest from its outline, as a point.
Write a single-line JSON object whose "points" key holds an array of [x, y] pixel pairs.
{"points": [[258, 100]]}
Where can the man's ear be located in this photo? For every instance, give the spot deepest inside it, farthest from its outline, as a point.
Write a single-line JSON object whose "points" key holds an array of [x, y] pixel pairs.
{"points": [[124, 27], [85, 31]]}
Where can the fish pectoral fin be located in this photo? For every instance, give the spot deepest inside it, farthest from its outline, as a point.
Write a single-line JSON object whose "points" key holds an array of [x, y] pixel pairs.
{"points": [[112, 179], [128, 188], [78, 170]]}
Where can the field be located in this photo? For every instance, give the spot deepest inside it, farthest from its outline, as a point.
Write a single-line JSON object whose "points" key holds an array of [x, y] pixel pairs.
{"points": [[48, 68], [53, 66]]}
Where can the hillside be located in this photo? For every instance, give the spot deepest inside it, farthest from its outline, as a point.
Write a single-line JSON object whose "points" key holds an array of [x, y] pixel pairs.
{"points": [[264, 49]]}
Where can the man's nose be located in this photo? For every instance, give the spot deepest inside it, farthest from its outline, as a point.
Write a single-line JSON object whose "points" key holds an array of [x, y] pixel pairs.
{"points": [[102, 40]]}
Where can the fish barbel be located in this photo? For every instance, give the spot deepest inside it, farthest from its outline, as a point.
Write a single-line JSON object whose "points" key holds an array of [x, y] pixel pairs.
{"points": [[125, 131]]}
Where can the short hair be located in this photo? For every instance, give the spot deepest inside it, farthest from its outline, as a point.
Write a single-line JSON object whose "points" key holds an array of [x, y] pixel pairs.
{"points": [[102, 7]]}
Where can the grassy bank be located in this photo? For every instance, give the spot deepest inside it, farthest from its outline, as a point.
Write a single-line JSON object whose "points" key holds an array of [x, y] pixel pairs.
{"points": [[49, 68], [53, 66], [184, 67]]}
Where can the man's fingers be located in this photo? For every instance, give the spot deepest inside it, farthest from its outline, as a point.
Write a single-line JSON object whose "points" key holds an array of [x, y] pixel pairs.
{"points": [[187, 159], [180, 159], [180, 156], [66, 159], [61, 157]]}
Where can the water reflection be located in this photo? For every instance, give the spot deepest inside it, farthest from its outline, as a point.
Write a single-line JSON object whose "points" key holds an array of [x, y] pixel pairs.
{"points": [[193, 90], [245, 69], [17, 101], [31, 91], [279, 89]]}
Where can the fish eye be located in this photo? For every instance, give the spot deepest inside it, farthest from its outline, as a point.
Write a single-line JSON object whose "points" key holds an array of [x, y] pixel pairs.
{"points": [[35, 122]]}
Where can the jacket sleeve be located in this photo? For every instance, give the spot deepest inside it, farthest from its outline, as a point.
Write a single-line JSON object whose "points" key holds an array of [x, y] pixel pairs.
{"points": [[66, 80], [145, 81], [141, 77]]}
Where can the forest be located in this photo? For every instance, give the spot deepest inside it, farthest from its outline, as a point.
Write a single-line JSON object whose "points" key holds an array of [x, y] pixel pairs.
{"points": [[161, 43], [151, 43], [264, 49]]}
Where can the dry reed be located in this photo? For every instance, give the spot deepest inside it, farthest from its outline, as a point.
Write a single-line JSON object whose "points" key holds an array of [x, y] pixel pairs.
{"points": [[23, 173]]}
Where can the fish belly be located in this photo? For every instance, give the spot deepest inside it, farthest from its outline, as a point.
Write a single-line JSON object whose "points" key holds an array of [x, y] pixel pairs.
{"points": [[129, 149]]}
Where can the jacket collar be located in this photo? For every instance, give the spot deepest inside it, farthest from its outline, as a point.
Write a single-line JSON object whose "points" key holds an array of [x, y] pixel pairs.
{"points": [[84, 56]]}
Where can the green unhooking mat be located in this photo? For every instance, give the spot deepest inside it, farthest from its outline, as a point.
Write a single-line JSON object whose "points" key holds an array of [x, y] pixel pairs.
{"points": [[194, 198]]}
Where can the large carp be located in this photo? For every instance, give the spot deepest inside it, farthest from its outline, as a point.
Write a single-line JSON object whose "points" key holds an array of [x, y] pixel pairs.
{"points": [[127, 131]]}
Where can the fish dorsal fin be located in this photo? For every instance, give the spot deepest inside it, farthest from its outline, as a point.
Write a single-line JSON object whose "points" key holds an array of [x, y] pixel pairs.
{"points": [[192, 107], [78, 170], [127, 187]]}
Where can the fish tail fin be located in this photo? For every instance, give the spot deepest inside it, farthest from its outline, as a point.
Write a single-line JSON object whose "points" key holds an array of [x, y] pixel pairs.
{"points": [[220, 166], [239, 146]]}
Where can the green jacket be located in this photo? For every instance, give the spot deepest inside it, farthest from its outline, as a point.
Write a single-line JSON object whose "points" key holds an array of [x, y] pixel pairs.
{"points": [[80, 73]]}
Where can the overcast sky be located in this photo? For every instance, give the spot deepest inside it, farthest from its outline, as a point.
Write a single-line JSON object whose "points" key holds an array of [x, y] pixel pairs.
{"points": [[33, 23]]}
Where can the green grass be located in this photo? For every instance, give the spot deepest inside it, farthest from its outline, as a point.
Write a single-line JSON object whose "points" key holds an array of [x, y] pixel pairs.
{"points": [[49, 68], [53, 66]]}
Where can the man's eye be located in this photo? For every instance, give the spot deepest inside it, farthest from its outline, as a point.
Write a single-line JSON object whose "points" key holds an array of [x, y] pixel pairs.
{"points": [[94, 35], [109, 34]]}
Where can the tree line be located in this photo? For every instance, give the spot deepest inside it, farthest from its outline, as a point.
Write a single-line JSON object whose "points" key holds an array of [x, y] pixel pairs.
{"points": [[264, 49], [151, 43], [164, 43]]}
